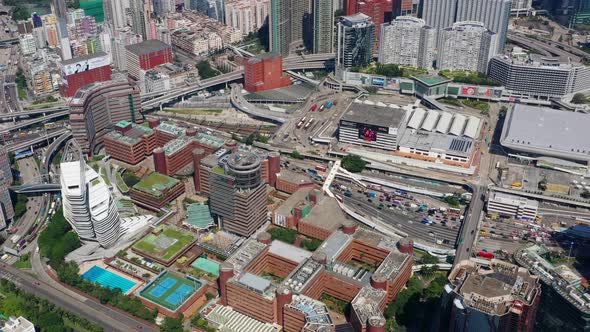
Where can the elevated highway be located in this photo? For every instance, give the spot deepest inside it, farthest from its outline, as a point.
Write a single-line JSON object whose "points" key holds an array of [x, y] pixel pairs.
{"points": [[20, 146], [15, 115], [53, 147], [24, 124]]}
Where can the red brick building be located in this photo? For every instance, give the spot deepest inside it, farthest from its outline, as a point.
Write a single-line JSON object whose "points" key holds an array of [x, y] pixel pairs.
{"points": [[155, 191], [176, 155], [130, 143], [265, 72], [376, 10], [81, 71], [147, 55]]}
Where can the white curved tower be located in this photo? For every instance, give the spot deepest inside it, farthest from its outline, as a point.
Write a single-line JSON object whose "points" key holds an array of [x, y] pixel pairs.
{"points": [[88, 205]]}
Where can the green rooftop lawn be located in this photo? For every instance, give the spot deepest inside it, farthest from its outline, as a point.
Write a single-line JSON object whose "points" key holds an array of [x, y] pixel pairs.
{"points": [[155, 181], [148, 243], [120, 183], [218, 170]]}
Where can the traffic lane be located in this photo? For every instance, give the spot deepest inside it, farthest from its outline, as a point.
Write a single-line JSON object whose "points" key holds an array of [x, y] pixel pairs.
{"points": [[413, 228], [471, 222], [104, 316]]}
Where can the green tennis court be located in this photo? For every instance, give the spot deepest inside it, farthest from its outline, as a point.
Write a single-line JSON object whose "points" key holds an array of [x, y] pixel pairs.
{"points": [[206, 265], [170, 290]]}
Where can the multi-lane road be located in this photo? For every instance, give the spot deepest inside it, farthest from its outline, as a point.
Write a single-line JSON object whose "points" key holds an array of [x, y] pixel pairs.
{"points": [[470, 224], [109, 319]]}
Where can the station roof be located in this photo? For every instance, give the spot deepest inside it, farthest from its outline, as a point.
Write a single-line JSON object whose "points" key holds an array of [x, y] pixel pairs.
{"points": [[548, 132], [374, 115]]}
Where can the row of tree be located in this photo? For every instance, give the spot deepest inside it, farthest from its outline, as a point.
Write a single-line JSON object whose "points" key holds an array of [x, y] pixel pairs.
{"points": [[41, 312]]}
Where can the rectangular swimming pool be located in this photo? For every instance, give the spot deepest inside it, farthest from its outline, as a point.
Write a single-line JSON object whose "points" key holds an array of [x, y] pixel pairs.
{"points": [[108, 279]]}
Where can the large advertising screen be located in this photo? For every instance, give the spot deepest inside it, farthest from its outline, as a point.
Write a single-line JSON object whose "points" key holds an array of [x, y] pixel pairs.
{"points": [[366, 132], [85, 65]]}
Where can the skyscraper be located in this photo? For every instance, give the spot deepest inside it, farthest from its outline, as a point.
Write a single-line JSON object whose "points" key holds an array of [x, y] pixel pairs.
{"points": [[61, 14], [162, 7], [355, 41], [495, 14], [407, 41], [466, 46], [115, 13], [88, 205], [323, 26], [238, 193], [288, 19], [441, 14], [375, 9], [141, 13]]}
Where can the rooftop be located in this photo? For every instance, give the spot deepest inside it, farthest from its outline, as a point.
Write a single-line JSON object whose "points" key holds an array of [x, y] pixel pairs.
{"points": [[83, 58], [512, 199], [288, 251], [299, 278], [437, 142], [393, 263], [199, 216], [297, 198], [431, 80], [146, 47], [255, 282], [493, 289], [171, 128], [156, 183], [547, 131], [227, 319], [316, 312], [334, 244], [294, 177], [366, 303], [327, 214], [382, 116], [245, 254]]}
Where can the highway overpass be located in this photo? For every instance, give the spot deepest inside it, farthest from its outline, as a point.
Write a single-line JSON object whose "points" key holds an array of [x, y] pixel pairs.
{"points": [[15, 115], [20, 146]]}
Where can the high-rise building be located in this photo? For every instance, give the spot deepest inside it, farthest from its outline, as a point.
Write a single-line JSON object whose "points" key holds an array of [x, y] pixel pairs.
{"points": [[61, 14], [323, 26], [404, 8], [6, 209], [355, 41], [123, 38], [147, 55], [375, 9], [141, 13], [97, 107], [162, 7], [494, 14], [496, 297], [265, 72], [246, 15], [115, 13], [407, 41], [37, 22], [238, 193], [88, 204], [212, 8], [288, 19], [466, 46], [521, 7], [441, 14]]}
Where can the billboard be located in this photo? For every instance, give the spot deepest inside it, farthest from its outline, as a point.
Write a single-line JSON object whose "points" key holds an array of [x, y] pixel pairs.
{"points": [[366, 132], [468, 91], [83, 65], [378, 81]]}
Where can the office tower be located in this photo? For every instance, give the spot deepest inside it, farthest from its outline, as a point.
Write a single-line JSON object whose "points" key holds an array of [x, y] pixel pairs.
{"points": [[288, 19], [466, 46], [497, 296], [7, 211], [61, 14], [495, 15], [5, 163], [97, 107], [375, 9], [141, 17], [115, 13], [355, 41], [238, 193], [88, 205], [407, 41], [439, 14], [162, 7], [323, 26], [94, 8]]}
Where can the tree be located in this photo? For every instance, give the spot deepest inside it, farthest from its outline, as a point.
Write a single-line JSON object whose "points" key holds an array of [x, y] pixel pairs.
{"points": [[542, 185], [428, 259], [205, 70], [130, 179], [579, 98], [296, 155], [353, 163], [172, 324]]}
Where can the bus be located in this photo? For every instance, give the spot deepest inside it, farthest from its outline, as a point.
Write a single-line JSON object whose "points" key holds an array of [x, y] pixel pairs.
{"points": [[308, 123]]}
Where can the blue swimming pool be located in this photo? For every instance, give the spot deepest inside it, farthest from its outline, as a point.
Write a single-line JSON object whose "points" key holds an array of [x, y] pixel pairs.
{"points": [[108, 279]]}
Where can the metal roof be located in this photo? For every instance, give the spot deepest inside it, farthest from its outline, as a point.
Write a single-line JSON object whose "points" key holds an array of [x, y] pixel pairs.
{"points": [[472, 126], [458, 125], [444, 123], [417, 118], [548, 132], [255, 282], [431, 119]]}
